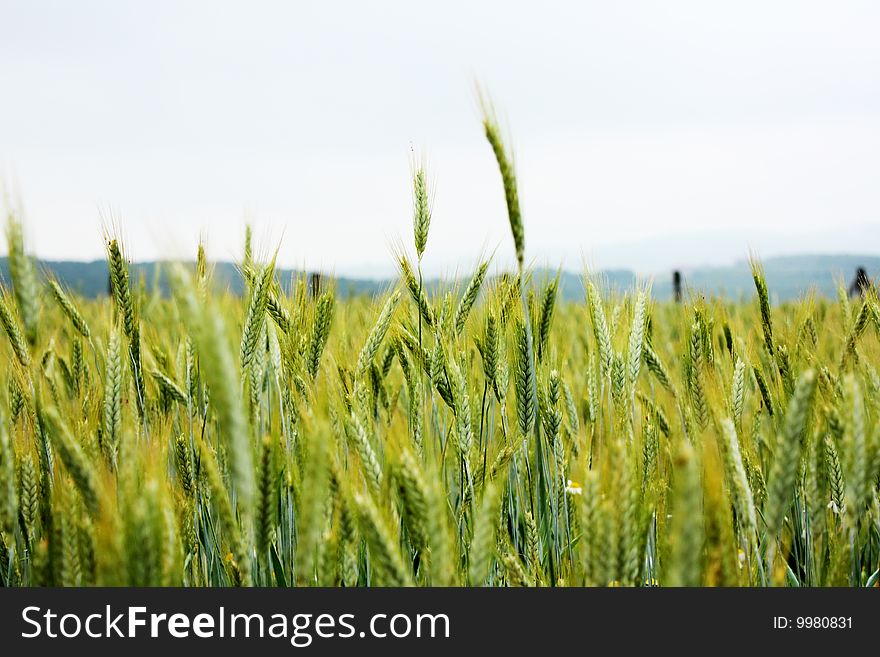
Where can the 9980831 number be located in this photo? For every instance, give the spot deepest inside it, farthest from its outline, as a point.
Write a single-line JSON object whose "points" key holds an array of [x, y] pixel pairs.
{"points": [[823, 622]]}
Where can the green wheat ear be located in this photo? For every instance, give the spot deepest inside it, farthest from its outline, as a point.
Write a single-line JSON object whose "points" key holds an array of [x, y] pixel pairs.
{"points": [[482, 546], [686, 531], [738, 482], [415, 290], [525, 392], [9, 504], [545, 319], [75, 460], [508, 176], [69, 308], [374, 339], [836, 482], [600, 328], [421, 210], [14, 332], [266, 495], [385, 557], [763, 304], [255, 319], [23, 273], [469, 297], [120, 282], [415, 498], [221, 373], [789, 448], [112, 399], [320, 331]]}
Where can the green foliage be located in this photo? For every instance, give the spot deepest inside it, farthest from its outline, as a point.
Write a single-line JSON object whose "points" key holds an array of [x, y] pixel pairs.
{"points": [[497, 435]]}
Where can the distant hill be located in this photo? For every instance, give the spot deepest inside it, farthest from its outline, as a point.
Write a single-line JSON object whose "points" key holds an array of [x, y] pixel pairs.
{"points": [[788, 277], [90, 279]]}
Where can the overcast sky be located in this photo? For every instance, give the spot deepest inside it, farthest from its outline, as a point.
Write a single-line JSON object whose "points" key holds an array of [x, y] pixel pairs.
{"points": [[757, 121]]}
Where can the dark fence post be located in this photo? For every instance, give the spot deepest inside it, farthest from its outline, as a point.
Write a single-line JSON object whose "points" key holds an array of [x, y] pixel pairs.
{"points": [[676, 286], [315, 281], [861, 284]]}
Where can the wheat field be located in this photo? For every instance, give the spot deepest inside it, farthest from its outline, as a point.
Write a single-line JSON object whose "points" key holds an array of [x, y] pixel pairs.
{"points": [[478, 434]]}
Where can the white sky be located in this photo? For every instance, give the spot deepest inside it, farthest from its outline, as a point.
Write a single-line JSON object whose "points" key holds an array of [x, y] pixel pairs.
{"points": [[757, 120]]}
